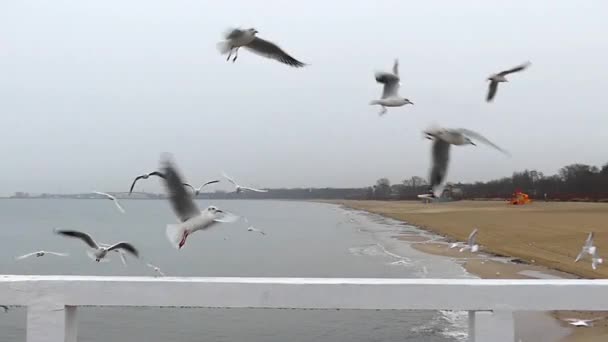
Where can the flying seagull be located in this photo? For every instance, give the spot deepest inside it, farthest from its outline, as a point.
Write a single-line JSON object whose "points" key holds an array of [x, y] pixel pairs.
{"points": [[251, 228], [581, 322], [240, 188], [237, 38], [145, 176], [191, 218], [471, 244], [110, 197], [460, 136], [390, 92], [38, 254], [197, 191], [99, 251], [121, 254], [443, 138], [590, 248], [4, 307], [500, 77], [156, 269]]}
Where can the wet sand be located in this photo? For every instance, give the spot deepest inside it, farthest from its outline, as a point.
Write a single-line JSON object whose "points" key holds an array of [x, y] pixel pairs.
{"points": [[543, 237]]}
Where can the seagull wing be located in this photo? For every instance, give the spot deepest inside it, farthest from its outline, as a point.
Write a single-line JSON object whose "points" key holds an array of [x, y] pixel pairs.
{"points": [[104, 194], [190, 186], [181, 201], [230, 179], [516, 69], [133, 184], [233, 33], [396, 67], [253, 189], [25, 256], [122, 257], [580, 255], [391, 83], [208, 183], [126, 247], [472, 237], [79, 235], [589, 241], [481, 138], [441, 158], [270, 50], [118, 206], [492, 90], [58, 254], [225, 217]]}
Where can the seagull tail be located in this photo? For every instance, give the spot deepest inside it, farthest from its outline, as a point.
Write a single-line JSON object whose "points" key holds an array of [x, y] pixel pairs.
{"points": [[175, 233], [374, 102], [223, 47]]}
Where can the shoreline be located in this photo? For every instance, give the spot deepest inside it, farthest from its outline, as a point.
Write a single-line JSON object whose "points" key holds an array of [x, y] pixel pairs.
{"points": [[484, 264]]}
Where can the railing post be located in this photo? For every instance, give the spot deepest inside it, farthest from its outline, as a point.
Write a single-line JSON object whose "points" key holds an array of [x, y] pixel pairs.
{"points": [[488, 326], [47, 322], [71, 324]]}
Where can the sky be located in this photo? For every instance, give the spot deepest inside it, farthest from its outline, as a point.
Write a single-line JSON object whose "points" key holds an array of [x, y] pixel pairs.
{"points": [[92, 92]]}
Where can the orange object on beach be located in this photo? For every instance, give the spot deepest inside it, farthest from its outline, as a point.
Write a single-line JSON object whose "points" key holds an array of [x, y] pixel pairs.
{"points": [[520, 198]]}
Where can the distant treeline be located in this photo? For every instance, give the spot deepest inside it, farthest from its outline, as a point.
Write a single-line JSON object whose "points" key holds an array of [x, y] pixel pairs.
{"points": [[572, 182]]}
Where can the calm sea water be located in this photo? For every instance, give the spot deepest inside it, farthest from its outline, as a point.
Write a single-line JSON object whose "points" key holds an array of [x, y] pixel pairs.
{"points": [[303, 240]]}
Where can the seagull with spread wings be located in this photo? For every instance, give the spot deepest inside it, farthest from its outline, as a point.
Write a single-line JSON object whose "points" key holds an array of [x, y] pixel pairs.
{"points": [[39, 254], [145, 176], [240, 188], [156, 269], [237, 38], [197, 191], [112, 198], [500, 77], [471, 243], [99, 251], [390, 90], [191, 218]]}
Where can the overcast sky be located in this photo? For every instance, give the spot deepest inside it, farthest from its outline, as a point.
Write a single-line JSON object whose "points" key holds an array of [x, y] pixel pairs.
{"points": [[91, 92]]}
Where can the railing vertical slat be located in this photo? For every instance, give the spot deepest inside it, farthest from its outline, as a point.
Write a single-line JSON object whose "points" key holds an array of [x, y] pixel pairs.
{"points": [[471, 326], [46, 323], [497, 326], [71, 324]]}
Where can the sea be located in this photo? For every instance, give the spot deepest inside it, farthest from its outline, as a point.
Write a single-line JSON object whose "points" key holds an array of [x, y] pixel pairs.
{"points": [[302, 239]]}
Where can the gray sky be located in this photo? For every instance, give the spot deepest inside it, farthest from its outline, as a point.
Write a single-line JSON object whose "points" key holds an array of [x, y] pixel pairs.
{"points": [[91, 92]]}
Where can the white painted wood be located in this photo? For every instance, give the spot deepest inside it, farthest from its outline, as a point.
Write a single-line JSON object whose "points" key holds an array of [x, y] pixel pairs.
{"points": [[52, 300], [71, 324], [471, 326], [45, 323], [495, 326], [316, 293]]}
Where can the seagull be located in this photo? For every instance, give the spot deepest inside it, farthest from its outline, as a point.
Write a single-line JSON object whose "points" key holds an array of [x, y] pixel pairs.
{"points": [[460, 136], [240, 188], [471, 245], [253, 229], [191, 218], [122, 254], [390, 92], [581, 322], [39, 254], [591, 249], [110, 197], [197, 191], [156, 269], [145, 176], [237, 38], [4, 307], [443, 138], [100, 251], [500, 77]]}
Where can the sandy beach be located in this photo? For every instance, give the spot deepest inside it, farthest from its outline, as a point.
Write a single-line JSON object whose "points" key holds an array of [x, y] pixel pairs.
{"points": [[544, 236]]}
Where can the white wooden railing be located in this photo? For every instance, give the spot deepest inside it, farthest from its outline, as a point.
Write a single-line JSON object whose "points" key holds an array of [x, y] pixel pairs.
{"points": [[52, 301]]}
